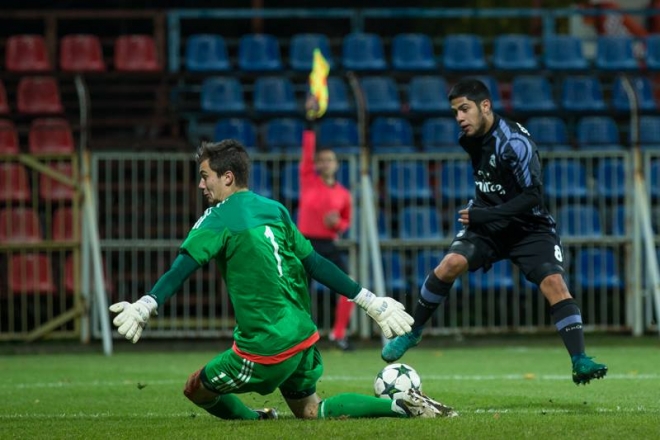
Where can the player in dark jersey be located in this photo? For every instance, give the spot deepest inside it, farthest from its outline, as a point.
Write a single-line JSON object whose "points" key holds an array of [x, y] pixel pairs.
{"points": [[265, 262], [506, 220]]}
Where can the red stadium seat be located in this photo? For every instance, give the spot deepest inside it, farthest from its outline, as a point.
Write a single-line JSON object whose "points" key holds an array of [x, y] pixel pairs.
{"points": [[14, 186], [51, 190], [136, 53], [8, 137], [50, 135], [19, 225], [63, 225], [30, 273], [39, 95], [81, 53], [69, 284], [4, 103], [26, 53]]}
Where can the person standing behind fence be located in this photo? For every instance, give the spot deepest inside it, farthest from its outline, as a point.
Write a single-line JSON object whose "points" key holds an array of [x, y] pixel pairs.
{"points": [[324, 212]]}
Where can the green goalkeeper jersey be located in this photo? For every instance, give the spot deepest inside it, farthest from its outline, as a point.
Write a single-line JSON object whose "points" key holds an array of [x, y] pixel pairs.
{"points": [[258, 250]]}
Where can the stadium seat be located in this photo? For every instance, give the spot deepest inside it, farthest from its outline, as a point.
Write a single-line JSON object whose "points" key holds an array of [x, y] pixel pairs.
{"points": [[69, 279], [394, 271], [301, 51], [259, 53], [582, 94], [653, 179], [564, 52], [494, 88], [498, 279], [392, 135], [463, 52], [136, 53], [420, 223], [548, 131], [8, 138], [611, 179], [243, 130], [597, 269], [579, 220], [14, 183], [222, 95], [649, 131], [532, 93], [598, 132], [381, 94], [274, 95], [408, 180], [39, 95], [514, 52], [283, 134], [363, 52], [340, 134], [440, 133], [26, 53], [618, 221], [206, 53], [289, 173], [63, 225], [19, 225], [31, 274], [338, 103], [643, 91], [51, 190], [428, 94], [261, 179], [565, 179], [413, 53], [50, 135], [653, 52], [81, 53], [457, 182], [384, 231], [615, 53], [4, 102]]}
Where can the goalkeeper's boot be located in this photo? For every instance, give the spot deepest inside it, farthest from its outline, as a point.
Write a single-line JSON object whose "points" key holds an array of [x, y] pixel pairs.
{"points": [[416, 404], [267, 414], [398, 346], [584, 369]]}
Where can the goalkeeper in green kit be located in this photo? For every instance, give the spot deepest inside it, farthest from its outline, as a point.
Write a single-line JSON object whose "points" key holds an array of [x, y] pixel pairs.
{"points": [[265, 262]]}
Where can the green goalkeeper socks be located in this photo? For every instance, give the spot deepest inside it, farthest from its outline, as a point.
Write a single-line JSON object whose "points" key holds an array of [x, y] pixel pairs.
{"points": [[355, 406], [230, 407]]}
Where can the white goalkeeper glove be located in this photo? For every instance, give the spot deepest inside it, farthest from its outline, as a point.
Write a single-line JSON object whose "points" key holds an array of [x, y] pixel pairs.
{"points": [[388, 313], [133, 317]]}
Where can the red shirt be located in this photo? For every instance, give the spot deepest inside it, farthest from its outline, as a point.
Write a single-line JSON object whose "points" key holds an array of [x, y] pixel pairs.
{"points": [[317, 199]]}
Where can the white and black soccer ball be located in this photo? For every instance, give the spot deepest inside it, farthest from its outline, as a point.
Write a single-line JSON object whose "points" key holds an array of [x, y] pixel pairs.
{"points": [[393, 381]]}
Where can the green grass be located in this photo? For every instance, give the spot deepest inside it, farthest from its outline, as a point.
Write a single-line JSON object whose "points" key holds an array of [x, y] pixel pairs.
{"points": [[519, 389]]}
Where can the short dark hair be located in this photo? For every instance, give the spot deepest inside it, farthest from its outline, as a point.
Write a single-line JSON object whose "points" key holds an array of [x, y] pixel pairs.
{"points": [[473, 89], [226, 155]]}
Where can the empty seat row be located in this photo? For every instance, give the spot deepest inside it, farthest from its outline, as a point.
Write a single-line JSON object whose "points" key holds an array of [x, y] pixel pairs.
{"points": [[15, 184], [35, 95], [32, 273], [20, 224], [46, 136]]}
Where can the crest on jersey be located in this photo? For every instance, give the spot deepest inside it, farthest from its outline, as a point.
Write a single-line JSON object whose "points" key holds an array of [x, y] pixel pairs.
{"points": [[491, 162]]}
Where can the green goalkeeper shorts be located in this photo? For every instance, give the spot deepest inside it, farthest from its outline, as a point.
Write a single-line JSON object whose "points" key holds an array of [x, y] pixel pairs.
{"points": [[295, 377]]}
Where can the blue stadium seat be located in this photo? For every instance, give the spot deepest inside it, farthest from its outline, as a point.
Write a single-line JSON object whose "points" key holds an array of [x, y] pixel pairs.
{"points": [[243, 130], [643, 91], [565, 179], [413, 52], [222, 95], [206, 53], [494, 89], [598, 132], [618, 220], [259, 53], [301, 51], [381, 94], [548, 131], [653, 52], [440, 133], [394, 271], [654, 179], [363, 52], [514, 52], [611, 179], [289, 181], [340, 134], [579, 220], [391, 135], [463, 52], [261, 179], [597, 269], [499, 278], [338, 102], [564, 52], [384, 228], [283, 134], [649, 131], [582, 94], [428, 94], [457, 182], [408, 180], [274, 95], [532, 93], [615, 53], [420, 223]]}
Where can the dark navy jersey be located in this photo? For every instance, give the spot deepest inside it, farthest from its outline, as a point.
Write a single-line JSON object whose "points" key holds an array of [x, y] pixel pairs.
{"points": [[505, 161]]}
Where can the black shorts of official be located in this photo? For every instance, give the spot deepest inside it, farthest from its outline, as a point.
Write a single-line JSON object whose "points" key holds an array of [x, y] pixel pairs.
{"points": [[537, 252], [328, 249]]}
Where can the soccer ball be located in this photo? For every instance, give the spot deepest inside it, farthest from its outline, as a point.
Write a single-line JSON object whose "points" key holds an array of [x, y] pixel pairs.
{"points": [[395, 380]]}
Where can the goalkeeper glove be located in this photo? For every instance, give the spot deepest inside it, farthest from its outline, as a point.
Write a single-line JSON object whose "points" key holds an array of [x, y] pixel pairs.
{"points": [[388, 313], [133, 317]]}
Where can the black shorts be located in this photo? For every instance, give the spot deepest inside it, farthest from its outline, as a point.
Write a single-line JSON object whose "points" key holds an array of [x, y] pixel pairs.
{"points": [[538, 253], [328, 249]]}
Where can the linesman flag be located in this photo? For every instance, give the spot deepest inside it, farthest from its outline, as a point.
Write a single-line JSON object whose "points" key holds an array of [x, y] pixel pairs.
{"points": [[318, 84]]}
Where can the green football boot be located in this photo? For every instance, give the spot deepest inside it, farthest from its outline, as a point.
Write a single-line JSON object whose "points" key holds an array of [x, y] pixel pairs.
{"points": [[584, 369], [398, 346]]}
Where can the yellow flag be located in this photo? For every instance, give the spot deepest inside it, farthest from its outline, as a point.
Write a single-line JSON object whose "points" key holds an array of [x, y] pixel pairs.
{"points": [[318, 84]]}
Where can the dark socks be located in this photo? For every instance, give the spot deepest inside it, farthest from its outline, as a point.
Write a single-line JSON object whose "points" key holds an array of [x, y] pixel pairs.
{"points": [[433, 293], [568, 320]]}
